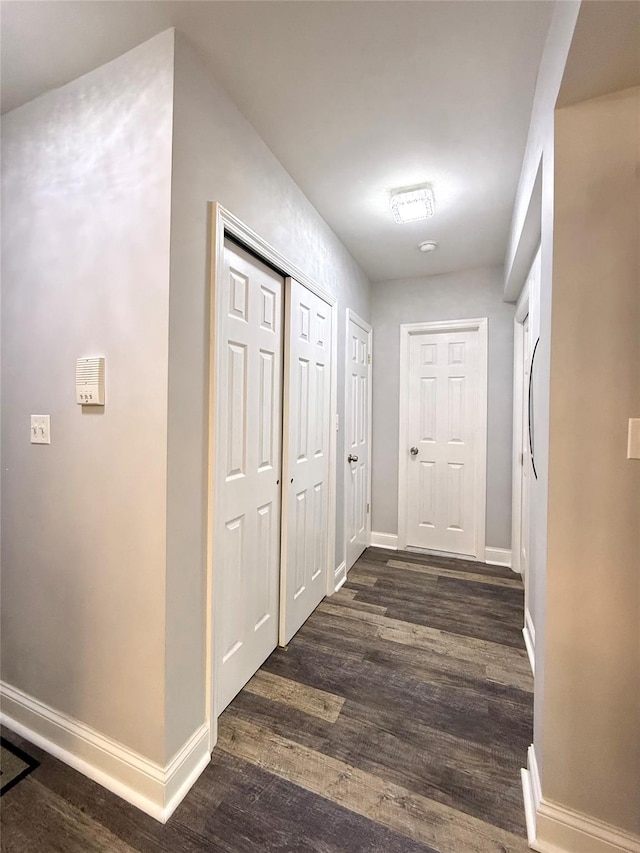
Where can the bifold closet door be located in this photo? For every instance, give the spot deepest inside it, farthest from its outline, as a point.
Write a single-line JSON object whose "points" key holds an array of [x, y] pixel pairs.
{"points": [[306, 469], [248, 466]]}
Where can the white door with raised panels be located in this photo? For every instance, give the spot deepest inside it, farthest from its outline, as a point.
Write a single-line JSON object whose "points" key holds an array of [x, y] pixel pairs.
{"points": [[445, 436], [306, 458], [526, 452], [357, 437], [248, 462]]}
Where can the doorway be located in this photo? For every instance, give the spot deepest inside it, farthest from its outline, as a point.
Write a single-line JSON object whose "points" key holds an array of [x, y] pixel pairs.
{"points": [[272, 452], [525, 325], [357, 497], [443, 437]]}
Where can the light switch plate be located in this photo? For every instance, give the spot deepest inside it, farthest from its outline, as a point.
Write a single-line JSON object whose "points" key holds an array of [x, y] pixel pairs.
{"points": [[40, 429], [633, 444]]}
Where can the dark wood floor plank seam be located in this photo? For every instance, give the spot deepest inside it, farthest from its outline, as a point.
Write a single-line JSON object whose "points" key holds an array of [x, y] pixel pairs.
{"points": [[396, 721]]}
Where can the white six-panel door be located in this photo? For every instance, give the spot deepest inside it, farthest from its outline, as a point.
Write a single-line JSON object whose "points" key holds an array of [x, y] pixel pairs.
{"points": [[248, 462], [306, 469], [357, 428], [444, 439], [526, 452]]}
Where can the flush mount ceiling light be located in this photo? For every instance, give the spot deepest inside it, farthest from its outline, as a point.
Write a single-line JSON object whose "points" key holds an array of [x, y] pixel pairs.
{"points": [[428, 246], [412, 203]]}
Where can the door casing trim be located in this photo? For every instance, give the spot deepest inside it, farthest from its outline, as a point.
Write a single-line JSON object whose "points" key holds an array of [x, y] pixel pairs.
{"points": [[522, 311], [366, 327], [407, 330], [222, 222]]}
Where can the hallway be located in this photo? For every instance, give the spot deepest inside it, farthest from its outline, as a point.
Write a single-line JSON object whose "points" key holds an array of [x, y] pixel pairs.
{"points": [[397, 720]]}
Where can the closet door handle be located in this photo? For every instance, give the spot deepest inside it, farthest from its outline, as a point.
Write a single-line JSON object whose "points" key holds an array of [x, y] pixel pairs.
{"points": [[414, 451], [352, 458]]}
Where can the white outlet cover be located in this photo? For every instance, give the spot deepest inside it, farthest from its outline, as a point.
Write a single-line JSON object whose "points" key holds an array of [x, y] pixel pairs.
{"points": [[40, 429], [633, 443]]}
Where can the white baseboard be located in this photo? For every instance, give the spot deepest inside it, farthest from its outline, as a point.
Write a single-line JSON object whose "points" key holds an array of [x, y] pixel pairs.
{"points": [[341, 575], [552, 828], [529, 634], [384, 540], [498, 557], [145, 784]]}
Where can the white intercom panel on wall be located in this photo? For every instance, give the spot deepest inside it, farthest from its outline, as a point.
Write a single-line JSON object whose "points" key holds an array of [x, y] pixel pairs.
{"points": [[90, 382]]}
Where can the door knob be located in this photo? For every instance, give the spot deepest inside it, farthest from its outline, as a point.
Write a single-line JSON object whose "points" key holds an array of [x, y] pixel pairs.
{"points": [[352, 458], [414, 451]]}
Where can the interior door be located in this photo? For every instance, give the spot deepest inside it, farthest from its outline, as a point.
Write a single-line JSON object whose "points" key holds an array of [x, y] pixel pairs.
{"points": [[248, 465], [357, 430], [443, 441], [306, 470], [526, 453]]}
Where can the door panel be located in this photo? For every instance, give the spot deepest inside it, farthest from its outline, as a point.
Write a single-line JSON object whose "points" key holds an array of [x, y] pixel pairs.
{"points": [[304, 554], [247, 531], [526, 454], [442, 429], [357, 440]]}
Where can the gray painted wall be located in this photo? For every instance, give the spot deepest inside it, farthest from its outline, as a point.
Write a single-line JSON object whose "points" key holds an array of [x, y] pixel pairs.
{"points": [[219, 157], [470, 293], [105, 252], [86, 191]]}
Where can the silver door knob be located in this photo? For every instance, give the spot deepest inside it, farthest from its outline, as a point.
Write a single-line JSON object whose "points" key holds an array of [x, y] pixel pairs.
{"points": [[352, 458], [414, 451]]}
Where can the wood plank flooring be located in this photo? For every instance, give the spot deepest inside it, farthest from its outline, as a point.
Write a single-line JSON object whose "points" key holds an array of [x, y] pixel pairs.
{"points": [[396, 721]]}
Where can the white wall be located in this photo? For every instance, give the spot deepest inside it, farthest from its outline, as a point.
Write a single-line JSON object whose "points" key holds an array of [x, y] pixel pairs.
{"points": [[591, 742], [219, 157], [453, 296], [86, 191]]}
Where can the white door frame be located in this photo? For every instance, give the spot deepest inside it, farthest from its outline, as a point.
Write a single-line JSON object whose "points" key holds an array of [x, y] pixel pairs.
{"points": [[352, 316], [522, 310], [480, 325], [223, 223]]}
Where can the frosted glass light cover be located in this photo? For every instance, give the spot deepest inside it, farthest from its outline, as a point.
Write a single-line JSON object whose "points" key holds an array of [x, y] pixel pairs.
{"points": [[412, 204]]}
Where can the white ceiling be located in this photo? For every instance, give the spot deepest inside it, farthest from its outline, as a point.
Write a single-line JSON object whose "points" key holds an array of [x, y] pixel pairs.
{"points": [[354, 98]]}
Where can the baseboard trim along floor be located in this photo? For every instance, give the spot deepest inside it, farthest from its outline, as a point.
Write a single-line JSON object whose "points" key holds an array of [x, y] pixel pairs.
{"points": [[145, 784], [384, 540], [552, 828]]}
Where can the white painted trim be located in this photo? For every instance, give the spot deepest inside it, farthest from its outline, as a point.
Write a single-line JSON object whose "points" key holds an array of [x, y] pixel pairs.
{"points": [[340, 576], [552, 828], [567, 831], [522, 305], [384, 540], [522, 310], [145, 784], [529, 634], [481, 326], [532, 767], [518, 414], [352, 316], [223, 222], [497, 556]]}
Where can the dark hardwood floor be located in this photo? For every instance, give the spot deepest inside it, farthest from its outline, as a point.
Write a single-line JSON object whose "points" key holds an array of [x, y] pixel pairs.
{"points": [[397, 721]]}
